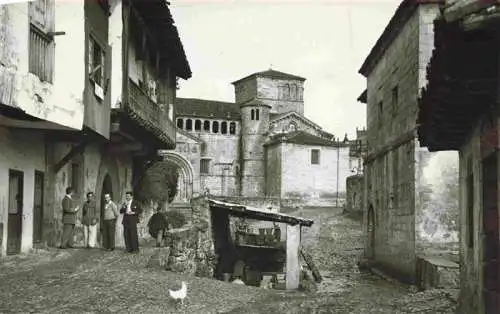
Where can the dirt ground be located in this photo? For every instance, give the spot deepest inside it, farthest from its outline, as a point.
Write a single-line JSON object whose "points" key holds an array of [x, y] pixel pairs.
{"points": [[94, 281]]}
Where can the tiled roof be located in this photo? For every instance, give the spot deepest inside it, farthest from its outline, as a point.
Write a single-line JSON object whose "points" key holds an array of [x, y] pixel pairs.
{"points": [[301, 137], [192, 107], [273, 74], [278, 116]]}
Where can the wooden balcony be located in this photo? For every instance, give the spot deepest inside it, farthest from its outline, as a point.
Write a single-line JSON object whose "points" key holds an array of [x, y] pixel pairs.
{"points": [[150, 117]]}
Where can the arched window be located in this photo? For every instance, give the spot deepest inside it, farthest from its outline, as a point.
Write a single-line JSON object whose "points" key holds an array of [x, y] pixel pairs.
{"points": [[215, 127], [223, 127], [293, 92], [197, 125], [206, 125], [232, 128], [252, 114], [301, 93], [281, 91], [286, 94], [189, 124], [180, 123], [257, 114]]}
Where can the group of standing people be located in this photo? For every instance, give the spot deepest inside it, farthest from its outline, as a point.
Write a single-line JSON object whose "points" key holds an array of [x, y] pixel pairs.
{"points": [[130, 210]]}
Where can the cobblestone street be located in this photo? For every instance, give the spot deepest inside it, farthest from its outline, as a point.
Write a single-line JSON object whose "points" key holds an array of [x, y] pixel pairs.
{"points": [[77, 281]]}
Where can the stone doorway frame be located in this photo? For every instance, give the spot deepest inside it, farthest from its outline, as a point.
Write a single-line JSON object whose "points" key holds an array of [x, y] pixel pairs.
{"points": [[186, 187]]}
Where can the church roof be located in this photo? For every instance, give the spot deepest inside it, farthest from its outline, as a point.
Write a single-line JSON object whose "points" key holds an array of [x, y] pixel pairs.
{"points": [[301, 137], [279, 116], [272, 74], [201, 108]]}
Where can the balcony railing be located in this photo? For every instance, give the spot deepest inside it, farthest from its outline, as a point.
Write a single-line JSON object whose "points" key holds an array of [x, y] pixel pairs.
{"points": [[149, 111]]}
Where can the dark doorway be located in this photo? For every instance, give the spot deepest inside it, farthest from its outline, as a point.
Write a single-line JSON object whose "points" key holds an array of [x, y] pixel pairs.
{"points": [[370, 217], [490, 240], [15, 220], [38, 208], [107, 187]]}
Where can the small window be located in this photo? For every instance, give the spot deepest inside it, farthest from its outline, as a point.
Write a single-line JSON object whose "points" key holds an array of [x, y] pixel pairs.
{"points": [[197, 125], [96, 62], [252, 114], [180, 123], [223, 127], [215, 127], [204, 166], [206, 125], [189, 124], [232, 128], [257, 114], [315, 157], [293, 91], [395, 97]]}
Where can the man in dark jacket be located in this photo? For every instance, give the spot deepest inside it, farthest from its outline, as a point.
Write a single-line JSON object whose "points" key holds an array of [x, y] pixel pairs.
{"points": [[70, 208], [131, 211], [90, 218]]}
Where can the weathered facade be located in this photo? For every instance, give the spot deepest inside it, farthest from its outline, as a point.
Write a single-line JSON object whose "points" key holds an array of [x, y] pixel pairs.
{"points": [[355, 182], [404, 203], [225, 143], [316, 177], [56, 113], [459, 112]]}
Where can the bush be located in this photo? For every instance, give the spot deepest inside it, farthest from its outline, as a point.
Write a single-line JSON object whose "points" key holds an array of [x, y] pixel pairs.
{"points": [[175, 218]]}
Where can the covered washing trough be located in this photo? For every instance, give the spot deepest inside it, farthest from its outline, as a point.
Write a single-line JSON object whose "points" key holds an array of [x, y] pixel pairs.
{"points": [[262, 256]]}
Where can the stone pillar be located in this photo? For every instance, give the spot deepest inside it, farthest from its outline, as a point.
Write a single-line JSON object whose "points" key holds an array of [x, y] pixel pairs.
{"points": [[205, 254], [292, 256]]}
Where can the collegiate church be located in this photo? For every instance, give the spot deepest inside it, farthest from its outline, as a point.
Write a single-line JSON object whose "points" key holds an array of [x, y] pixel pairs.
{"points": [[261, 145]]}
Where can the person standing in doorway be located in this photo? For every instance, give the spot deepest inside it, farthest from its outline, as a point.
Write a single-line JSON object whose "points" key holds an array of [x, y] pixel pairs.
{"points": [[131, 211], [109, 223], [70, 209], [89, 221]]}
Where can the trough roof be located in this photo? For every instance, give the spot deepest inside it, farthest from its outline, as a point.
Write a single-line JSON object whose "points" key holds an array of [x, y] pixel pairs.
{"points": [[258, 213]]}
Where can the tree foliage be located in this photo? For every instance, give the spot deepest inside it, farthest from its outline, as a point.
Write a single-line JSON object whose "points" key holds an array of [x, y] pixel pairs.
{"points": [[159, 183]]}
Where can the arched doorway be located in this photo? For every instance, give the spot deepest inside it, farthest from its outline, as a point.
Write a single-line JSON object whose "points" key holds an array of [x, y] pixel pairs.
{"points": [[186, 186], [370, 217], [107, 187]]}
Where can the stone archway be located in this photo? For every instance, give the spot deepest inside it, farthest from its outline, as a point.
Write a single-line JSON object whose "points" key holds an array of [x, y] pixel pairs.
{"points": [[186, 186], [107, 182]]}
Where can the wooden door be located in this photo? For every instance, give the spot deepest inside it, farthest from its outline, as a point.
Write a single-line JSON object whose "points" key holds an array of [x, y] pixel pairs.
{"points": [[15, 220], [490, 235], [38, 208]]}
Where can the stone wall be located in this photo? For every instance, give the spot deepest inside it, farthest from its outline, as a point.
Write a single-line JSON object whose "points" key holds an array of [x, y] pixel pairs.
{"points": [[88, 175], [190, 248], [393, 87], [471, 260], [354, 197], [300, 178]]}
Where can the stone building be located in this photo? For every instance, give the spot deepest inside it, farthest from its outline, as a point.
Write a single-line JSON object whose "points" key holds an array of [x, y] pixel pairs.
{"points": [[406, 202], [355, 182], [459, 112], [260, 146], [80, 123]]}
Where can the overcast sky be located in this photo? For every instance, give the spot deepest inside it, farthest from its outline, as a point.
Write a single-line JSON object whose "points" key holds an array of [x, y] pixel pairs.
{"points": [[324, 41]]}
